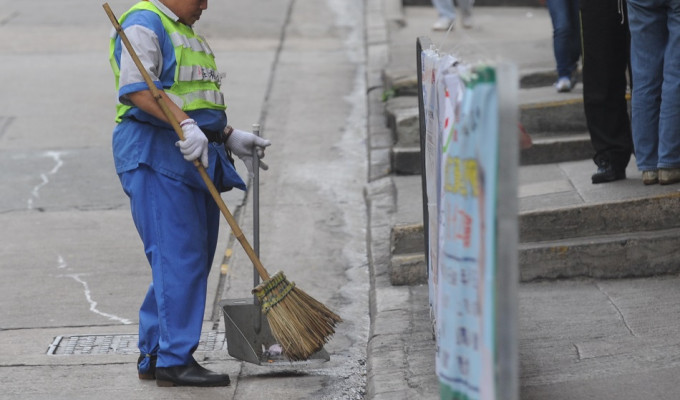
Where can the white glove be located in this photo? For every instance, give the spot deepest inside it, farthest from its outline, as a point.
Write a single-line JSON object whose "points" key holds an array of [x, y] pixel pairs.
{"points": [[195, 143], [243, 143]]}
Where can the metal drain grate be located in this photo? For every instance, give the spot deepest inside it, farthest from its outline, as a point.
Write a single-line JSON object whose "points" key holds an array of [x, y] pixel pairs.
{"points": [[121, 344]]}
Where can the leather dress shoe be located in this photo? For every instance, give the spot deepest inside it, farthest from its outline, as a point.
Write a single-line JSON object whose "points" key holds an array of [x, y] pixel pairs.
{"points": [[151, 373], [189, 375], [607, 173]]}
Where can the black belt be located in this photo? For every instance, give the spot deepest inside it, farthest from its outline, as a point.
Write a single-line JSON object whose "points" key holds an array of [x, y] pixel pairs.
{"points": [[215, 136]]}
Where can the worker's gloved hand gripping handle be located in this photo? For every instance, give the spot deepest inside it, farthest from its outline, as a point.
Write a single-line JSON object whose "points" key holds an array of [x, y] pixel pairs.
{"points": [[195, 143], [242, 143]]}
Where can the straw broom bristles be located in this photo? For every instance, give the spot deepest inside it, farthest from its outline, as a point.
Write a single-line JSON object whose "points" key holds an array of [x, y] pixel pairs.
{"points": [[300, 324]]}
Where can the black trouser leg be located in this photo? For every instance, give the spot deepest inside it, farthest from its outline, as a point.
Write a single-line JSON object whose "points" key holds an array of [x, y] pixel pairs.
{"points": [[606, 55]]}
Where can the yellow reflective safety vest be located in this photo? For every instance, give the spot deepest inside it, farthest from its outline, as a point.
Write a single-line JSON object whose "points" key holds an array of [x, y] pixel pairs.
{"points": [[197, 81]]}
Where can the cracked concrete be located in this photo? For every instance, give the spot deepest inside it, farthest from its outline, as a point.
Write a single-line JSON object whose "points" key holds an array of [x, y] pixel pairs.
{"points": [[613, 303], [588, 338]]}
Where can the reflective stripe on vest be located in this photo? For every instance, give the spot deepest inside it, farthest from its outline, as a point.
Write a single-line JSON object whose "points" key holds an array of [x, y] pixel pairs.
{"points": [[207, 97], [190, 43], [197, 81], [198, 73]]}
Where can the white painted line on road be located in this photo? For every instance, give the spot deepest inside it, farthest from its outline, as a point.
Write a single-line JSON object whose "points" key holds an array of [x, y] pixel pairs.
{"points": [[35, 193], [93, 304]]}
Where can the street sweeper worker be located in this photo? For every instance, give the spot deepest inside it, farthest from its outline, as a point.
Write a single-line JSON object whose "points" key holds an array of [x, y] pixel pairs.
{"points": [[173, 211]]}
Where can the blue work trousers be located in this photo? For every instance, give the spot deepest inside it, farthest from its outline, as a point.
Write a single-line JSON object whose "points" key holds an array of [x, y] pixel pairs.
{"points": [[655, 60], [178, 225]]}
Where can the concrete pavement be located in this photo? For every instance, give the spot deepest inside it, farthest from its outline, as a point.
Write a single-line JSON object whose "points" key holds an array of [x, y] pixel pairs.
{"points": [[73, 272], [579, 338]]}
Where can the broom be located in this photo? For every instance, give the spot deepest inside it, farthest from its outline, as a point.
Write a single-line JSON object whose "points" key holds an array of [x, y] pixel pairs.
{"points": [[301, 324]]}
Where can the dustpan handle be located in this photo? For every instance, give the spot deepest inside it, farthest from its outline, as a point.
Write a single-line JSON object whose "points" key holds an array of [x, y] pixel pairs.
{"points": [[257, 323], [256, 204]]}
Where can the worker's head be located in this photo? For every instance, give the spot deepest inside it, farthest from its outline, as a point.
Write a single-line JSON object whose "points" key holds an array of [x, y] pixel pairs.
{"points": [[188, 11]]}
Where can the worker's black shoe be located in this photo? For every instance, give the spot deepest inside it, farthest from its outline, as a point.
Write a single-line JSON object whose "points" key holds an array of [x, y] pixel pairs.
{"points": [[189, 375], [607, 173], [147, 373]]}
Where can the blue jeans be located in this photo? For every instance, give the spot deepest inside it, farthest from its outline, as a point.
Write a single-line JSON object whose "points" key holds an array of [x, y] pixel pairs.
{"points": [[446, 9], [655, 60], [566, 35]]}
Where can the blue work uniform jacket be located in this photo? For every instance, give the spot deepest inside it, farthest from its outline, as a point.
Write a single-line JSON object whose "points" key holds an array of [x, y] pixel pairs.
{"points": [[140, 138]]}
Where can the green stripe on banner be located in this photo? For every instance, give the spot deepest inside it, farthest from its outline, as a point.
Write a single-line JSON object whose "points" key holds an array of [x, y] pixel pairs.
{"points": [[446, 393], [480, 74]]}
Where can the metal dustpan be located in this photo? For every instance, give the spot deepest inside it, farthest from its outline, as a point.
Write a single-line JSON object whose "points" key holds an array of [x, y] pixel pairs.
{"points": [[249, 337]]}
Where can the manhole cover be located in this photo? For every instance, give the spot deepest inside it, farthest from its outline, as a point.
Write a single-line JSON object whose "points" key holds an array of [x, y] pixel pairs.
{"points": [[121, 344]]}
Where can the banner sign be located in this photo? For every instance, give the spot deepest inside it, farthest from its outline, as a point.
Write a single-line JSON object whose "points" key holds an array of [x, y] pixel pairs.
{"points": [[471, 235], [465, 299]]}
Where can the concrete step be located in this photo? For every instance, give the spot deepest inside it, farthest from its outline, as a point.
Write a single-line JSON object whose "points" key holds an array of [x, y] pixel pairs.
{"points": [[533, 78], [555, 121], [403, 81], [569, 227], [407, 261], [631, 215], [562, 224], [629, 238], [609, 256], [554, 149], [542, 109], [541, 113], [482, 3], [622, 255], [633, 237]]}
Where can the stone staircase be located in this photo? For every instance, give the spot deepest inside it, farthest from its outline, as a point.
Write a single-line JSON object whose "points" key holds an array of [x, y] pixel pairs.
{"points": [[482, 3], [558, 131], [631, 231], [630, 238], [557, 125]]}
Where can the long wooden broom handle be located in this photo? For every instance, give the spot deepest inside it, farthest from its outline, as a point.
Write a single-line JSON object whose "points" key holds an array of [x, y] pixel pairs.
{"points": [[175, 125]]}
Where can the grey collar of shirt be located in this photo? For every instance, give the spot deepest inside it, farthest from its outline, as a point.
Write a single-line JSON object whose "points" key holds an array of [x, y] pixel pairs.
{"points": [[165, 10]]}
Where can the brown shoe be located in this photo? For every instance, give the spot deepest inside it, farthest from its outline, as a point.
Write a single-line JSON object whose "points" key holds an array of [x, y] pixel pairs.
{"points": [[669, 175], [650, 177]]}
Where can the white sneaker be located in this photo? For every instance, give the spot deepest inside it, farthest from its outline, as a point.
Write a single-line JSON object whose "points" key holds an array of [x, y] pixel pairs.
{"points": [[564, 85], [442, 24], [467, 22]]}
